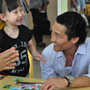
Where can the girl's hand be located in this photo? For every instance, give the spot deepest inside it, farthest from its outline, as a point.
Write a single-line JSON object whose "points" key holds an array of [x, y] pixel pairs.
{"points": [[39, 57]]}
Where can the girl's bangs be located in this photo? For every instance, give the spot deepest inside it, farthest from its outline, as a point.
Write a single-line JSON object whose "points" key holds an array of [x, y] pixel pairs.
{"points": [[12, 4]]}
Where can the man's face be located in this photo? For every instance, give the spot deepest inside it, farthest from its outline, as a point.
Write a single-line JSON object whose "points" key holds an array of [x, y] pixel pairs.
{"points": [[59, 38]]}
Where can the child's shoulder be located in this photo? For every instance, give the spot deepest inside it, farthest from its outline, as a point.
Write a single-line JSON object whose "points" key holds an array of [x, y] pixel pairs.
{"points": [[23, 27]]}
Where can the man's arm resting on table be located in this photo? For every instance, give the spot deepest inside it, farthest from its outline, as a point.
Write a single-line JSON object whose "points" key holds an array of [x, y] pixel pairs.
{"points": [[83, 81], [62, 83]]}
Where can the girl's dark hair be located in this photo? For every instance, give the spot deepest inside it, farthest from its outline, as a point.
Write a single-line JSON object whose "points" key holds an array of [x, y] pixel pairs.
{"points": [[75, 24], [8, 5]]}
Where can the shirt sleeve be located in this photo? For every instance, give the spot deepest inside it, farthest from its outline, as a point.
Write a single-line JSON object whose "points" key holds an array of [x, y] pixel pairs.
{"points": [[29, 34], [88, 71], [26, 32], [47, 68]]}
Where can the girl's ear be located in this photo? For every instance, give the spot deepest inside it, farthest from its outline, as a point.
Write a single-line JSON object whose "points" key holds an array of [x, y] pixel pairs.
{"points": [[2, 17]]}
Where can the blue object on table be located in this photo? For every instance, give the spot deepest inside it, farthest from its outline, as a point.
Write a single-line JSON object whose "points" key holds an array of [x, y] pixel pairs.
{"points": [[18, 79]]}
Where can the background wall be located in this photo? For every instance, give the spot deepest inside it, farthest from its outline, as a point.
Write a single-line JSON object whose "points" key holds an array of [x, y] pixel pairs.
{"points": [[55, 8], [64, 6]]}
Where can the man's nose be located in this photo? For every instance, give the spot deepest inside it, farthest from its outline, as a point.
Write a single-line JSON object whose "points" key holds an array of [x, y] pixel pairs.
{"points": [[52, 38]]}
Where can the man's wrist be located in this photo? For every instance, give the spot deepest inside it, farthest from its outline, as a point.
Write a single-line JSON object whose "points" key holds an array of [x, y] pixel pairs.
{"points": [[38, 5], [74, 5], [68, 81]]}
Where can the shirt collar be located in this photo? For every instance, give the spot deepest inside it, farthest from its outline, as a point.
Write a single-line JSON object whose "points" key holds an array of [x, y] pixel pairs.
{"points": [[81, 49], [60, 54]]}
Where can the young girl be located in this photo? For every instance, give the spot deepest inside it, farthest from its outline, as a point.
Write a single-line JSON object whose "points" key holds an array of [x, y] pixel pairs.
{"points": [[16, 35]]}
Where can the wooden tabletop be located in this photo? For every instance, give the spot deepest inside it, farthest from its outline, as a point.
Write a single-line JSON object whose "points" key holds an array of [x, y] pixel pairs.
{"points": [[9, 80]]}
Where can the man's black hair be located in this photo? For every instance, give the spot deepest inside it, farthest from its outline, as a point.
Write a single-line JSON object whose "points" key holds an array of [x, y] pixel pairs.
{"points": [[75, 24]]}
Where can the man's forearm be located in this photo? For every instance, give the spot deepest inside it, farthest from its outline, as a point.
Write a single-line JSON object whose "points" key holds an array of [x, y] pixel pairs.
{"points": [[73, 1], [82, 81]]}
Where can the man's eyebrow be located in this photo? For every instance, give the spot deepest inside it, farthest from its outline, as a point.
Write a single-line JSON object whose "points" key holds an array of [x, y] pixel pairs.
{"points": [[57, 33]]}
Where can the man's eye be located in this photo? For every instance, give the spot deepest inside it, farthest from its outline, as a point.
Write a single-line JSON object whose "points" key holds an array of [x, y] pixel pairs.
{"points": [[57, 35]]}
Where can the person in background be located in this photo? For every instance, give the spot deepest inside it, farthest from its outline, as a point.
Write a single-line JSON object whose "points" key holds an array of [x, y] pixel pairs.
{"points": [[25, 20], [82, 4], [75, 6], [16, 35], [37, 7], [68, 57], [78, 6]]}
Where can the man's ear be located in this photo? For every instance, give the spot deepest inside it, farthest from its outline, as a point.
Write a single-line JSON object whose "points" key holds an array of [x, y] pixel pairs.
{"points": [[75, 40], [2, 17]]}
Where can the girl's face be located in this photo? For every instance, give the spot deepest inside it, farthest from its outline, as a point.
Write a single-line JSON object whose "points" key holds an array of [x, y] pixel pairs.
{"points": [[15, 17]]}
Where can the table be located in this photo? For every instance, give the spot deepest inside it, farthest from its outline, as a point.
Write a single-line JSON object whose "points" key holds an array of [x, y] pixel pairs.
{"points": [[9, 80]]}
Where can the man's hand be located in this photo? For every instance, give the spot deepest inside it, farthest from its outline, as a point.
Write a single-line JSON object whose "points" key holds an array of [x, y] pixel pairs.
{"points": [[76, 8], [45, 7], [52, 83], [39, 7], [7, 59]]}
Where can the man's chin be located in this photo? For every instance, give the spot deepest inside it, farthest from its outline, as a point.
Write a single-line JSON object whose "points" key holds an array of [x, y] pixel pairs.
{"points": [[56, 49]]}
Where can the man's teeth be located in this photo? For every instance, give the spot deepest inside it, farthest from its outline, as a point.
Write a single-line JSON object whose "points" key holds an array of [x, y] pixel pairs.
{"points": [[55, 44]]}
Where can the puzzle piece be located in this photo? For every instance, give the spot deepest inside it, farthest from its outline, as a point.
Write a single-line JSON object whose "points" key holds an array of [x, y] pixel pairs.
{"points": [[6, 86], [17, 79]]}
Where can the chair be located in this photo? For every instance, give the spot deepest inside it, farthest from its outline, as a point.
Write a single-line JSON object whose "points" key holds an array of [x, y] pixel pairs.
{"points": [[2, 23], [31, 64], [86, 11]]}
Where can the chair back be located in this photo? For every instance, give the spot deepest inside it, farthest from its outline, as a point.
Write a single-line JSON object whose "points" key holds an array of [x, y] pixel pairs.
{"points": [[31, 64], [2, 23]]}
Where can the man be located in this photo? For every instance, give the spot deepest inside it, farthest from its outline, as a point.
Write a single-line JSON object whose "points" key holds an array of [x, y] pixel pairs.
{"points": [[68, 57], [25, 7], [75, 6], [38, 8], [82, 4]]}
